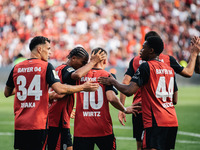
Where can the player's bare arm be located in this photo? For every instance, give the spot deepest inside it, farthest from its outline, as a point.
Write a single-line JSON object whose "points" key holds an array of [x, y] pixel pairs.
{"points": [[95, 58], [113, 99], [195, 49], [70, 89], [128, 90], [122, 115], [53, 96]]}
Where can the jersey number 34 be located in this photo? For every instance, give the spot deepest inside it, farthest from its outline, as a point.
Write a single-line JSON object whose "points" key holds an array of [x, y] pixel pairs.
{"points": [[33, 89]]}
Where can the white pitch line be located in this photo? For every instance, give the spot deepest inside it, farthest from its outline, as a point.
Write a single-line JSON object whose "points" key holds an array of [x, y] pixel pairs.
{"points": [[7, 133], [189, 134]]}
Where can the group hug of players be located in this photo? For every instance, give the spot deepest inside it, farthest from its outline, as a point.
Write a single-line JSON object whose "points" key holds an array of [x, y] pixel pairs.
{"points": [[44, 97]]}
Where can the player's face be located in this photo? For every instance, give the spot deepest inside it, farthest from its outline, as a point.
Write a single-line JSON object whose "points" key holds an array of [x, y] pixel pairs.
{"points": [[79, 62], [46, 51], [144, 52]]}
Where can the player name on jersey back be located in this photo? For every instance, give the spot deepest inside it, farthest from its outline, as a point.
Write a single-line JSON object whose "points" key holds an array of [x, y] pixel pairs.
{"points": [[163, 71], [29, 69], [91, 113], [28, 105]]}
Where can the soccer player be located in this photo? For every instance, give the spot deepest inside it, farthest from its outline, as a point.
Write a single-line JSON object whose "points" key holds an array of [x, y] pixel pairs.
{"points": [[157, 83], [60, 110], [93, 124], [29, 81], [133, 66]]}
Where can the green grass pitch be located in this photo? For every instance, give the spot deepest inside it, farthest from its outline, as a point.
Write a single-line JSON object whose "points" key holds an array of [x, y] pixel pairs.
{"points": [[188, 112]]}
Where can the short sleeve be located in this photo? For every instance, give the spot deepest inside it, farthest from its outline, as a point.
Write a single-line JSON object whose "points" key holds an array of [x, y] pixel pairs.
{"points": [[10, 82], [51, 75], [111, 87], [141, 76], [66, 75], [175, 65], [130, 71]]}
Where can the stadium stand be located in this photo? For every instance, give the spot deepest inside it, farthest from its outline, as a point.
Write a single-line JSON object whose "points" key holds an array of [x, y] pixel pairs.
{"points": [[116, 25]]}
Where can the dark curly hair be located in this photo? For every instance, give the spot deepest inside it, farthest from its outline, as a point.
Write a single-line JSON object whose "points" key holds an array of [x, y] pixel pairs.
{"points": [[79, 52]]}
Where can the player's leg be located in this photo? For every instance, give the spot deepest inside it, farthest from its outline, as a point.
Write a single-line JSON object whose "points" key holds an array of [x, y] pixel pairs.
{"points": [[106, 142], [53, 134], [83, 143], [138, 129], [29, 139], [66, 139]]}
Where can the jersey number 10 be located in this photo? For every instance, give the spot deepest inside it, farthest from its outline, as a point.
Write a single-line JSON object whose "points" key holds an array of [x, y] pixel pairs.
{"points": [[89, 99]]}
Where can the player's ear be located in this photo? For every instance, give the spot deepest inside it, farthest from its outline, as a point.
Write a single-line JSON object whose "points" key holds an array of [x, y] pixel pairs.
{"points": [[105, 61], [151, 51], [73, 58], [39, 49]]}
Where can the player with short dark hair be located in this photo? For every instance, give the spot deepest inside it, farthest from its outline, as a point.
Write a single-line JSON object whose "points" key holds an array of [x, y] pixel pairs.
{"points": [[156, 80], [93, 124], [29, 81], [60, 110], [133, 66]]}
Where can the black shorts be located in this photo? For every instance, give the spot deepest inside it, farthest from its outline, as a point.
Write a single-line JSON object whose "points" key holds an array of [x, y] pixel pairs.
{"points": [[29, 139], [53, 136], [137, 126], [87, 143], [160, 137]]}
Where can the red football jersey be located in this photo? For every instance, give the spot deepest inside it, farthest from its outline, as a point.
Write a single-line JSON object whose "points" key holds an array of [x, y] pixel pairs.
{"points": [[31, 98], [157, 96], [92, 118], [137, 61], [63, 107]]}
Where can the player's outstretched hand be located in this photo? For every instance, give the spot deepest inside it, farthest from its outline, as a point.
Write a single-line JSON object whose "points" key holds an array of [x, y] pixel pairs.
{"points": [[134, 109], [99, 56], [195, 42], [106, 80], [90, 86], [122, 117]]}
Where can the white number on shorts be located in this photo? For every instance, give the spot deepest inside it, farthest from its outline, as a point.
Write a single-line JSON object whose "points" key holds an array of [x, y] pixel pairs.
{"points": [[33, 89], [161, 91], [89, 98]]}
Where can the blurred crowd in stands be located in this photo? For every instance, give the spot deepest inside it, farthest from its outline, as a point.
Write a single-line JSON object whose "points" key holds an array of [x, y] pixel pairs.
{"points": [[118, 26]]}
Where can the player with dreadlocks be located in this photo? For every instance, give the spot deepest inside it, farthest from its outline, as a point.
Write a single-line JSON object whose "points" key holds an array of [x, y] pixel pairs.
{"points": [[60, 109]]}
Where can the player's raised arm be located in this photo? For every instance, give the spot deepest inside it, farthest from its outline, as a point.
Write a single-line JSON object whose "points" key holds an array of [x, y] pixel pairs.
{"points": [[95, 58], [195, 50]]}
